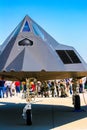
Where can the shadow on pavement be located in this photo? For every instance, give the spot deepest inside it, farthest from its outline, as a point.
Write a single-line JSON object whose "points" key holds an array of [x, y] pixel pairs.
{"points": [[45, 117]]}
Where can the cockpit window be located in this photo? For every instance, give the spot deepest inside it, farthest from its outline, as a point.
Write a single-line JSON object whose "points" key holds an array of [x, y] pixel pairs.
{"points": [[26, 27], [37, 31]]}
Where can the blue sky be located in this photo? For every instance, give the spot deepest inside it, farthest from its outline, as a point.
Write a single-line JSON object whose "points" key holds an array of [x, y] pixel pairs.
{"points": [[65, 20]]}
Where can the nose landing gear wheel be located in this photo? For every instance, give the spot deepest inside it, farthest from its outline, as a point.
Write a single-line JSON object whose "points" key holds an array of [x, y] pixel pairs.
{"points": [[28, 117]]}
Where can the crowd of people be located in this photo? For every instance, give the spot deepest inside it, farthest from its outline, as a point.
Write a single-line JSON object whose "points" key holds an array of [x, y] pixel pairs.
{"points": [[61, 88], [9, 88], [51, 88]]}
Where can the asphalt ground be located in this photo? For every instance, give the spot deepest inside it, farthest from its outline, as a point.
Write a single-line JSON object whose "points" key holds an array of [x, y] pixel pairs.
{"points": [[47, 114]]}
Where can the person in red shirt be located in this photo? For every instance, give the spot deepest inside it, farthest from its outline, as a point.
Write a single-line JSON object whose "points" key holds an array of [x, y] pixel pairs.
{"points": [[33, 86], [17, 85]]}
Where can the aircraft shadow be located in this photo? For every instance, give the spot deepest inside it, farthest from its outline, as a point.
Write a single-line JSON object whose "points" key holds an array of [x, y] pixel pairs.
{"points": [[44, 117]]}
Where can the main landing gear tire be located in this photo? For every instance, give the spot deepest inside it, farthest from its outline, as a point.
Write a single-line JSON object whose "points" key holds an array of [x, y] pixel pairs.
{"points": [[28, 117], [77, 102]]}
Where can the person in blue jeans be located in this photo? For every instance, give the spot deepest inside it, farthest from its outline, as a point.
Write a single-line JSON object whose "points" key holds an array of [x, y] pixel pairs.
{"points": [[2, 87]]}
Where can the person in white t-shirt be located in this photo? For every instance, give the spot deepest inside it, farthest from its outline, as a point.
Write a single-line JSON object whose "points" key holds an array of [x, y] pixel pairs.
{"points": [[8, 88]]}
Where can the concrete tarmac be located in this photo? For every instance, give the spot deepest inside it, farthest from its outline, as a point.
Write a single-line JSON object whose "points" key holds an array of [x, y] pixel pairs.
{"points": [[48, 114]]}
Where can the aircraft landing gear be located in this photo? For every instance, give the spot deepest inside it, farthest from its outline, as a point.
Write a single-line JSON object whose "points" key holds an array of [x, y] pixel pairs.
{"points": [[76, 103], [27, 114], [76, 97], [28, 117]]}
